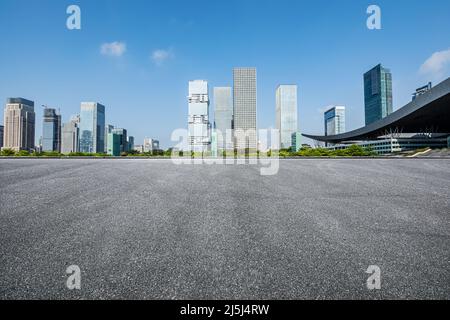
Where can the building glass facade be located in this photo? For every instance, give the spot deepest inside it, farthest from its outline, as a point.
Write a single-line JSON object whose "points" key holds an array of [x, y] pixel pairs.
{"points": [[114, 144], [71, 136], [335, 121], [92, 127], [223, 117], [286, 114], [244, 109], [377, 94], [51, 130]]}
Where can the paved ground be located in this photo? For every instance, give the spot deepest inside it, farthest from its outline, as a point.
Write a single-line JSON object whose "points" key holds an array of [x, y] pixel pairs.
{"points": [[150, 229]]}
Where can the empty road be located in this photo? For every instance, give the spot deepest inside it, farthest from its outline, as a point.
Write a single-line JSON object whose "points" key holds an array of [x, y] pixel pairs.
{"points": [[149, 229]]}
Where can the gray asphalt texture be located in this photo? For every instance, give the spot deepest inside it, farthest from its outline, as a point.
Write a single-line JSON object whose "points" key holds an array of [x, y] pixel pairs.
{"points": [[149, 229]]}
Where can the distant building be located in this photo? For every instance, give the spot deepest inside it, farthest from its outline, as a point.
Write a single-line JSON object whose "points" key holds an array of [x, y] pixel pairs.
{"points": [[151, 145], [19, 124], [71, 136], [130, 143], [92, 127], [296, 141], [223, 118], [334, 120], [139, 148], [198, 120], [108, 130], [114, 147], [393, 145], [422, 90], [123, 139], [1, 136], [51, 130], [286, 114], [377, 94], [244, 109]]}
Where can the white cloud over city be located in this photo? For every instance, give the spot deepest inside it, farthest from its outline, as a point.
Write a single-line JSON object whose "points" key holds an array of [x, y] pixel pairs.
{"points": [[113, 49], [437, 64], [160, 56]]}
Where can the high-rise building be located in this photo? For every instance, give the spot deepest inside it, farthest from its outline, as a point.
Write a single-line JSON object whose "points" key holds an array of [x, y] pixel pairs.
{"points": [[51, 130], [198, 120], [244, 109], [114, 147], [377, 94], [92, 127], [108, 130], [150, 145], [335, 120], [123, 140], [19, 124], [223, 118], [1, 136], [71, 136], [130, 143], [286, 114], [296, 140]]}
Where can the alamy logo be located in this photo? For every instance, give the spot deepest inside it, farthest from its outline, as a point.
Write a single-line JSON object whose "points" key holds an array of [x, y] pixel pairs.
{"points": [[374, 20], [374, 281], [74, 20], [74, 280]]}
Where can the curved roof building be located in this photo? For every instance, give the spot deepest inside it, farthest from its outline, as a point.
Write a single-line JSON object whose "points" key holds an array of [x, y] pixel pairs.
{"points": [[429, 112]]}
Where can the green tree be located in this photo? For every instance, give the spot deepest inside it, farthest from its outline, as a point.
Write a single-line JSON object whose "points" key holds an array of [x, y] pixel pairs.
{"points": [[22, 153], [8, 152]]}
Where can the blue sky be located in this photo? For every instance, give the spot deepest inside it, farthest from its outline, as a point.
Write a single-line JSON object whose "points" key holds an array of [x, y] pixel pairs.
{"points": [[136, 57]]}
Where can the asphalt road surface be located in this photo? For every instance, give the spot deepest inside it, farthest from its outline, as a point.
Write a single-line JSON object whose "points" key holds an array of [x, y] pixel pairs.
{"points": [[149, 229]]}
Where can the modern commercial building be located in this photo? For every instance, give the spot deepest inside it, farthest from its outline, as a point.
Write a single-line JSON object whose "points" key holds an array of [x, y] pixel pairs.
{"points": [[244, 109], [2, 128], [422, 90], [198, 120], [296, 140], [130, 143], [139, 148], [425, 120], [123, 139], [108, 130], [392, 145], [114, 146], [51, 130], [151, 145], [92, 127], [223, 118], [334, 120], [377, 94], [19, 124], [286, 114], [71, 136]]}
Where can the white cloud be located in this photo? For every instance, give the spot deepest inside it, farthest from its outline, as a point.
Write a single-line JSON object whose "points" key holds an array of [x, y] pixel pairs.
{"points": [[436, 64], [113, 49], [160, 56]]}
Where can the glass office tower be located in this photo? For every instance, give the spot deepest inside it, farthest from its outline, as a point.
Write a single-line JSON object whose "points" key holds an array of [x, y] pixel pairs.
{"points": [[244, 109], [51, 130], [123, 140], [377, 94], [335, 121], [92, 127], [286, 113], [223, 117]]}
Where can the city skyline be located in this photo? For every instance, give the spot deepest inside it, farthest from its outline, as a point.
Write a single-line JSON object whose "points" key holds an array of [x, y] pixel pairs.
{"points": [[139, 71]]}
